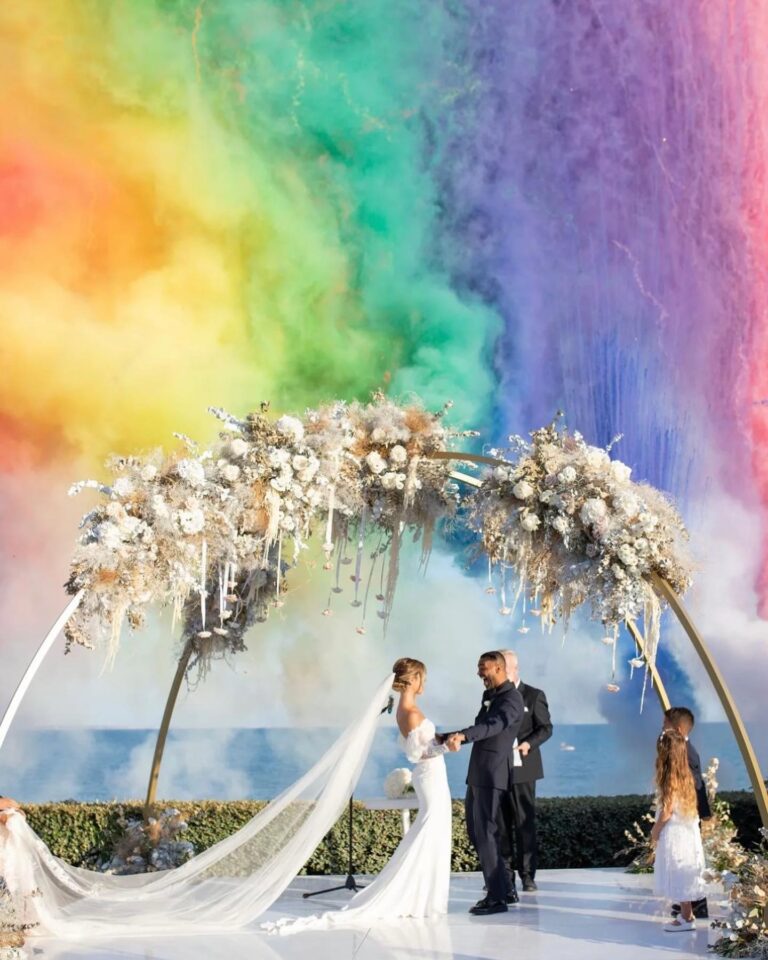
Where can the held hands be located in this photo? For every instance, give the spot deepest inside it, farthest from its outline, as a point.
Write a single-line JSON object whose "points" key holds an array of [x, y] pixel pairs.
{"points": [[454, 742]]}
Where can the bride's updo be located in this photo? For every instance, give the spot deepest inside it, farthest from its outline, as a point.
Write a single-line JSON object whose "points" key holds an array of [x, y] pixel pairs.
{"points": [[408, 673]]}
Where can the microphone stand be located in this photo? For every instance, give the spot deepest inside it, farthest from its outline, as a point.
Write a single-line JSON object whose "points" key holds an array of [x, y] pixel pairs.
{"points": [[350, 883]]}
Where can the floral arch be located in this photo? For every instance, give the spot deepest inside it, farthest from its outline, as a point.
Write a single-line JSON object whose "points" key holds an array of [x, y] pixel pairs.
{"points": [[213, 533]]}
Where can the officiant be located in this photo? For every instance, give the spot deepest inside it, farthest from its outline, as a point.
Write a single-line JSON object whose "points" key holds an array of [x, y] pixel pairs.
{"points": [[518, 810]]}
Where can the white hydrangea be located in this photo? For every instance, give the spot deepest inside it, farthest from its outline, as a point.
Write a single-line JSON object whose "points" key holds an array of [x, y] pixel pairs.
{"points": [[238, 447], [148, 472], [393, 481], [192, 520], [530, 522], [546, 496], [279, 457], [375, 462], [593, 511], [230, 472], [192, 471], [287, 523], [159, 505], [123, 486], [567, 475], [501, 474], [115, 510], [108, 535], [398, 455], [523, 490], [620, 471], [627, 555], [309, 473], [397, 782], [290, 427]]}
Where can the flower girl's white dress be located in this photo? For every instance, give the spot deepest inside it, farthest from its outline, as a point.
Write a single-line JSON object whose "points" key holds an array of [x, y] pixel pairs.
{"points": [[415, 881], [678, 868]]}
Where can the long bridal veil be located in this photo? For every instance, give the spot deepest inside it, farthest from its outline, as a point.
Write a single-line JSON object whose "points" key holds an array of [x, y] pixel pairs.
{"points": [[227, 886]]}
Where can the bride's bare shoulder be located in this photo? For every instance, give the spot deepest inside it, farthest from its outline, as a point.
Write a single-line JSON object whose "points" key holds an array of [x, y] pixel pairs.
{"points": [[410, 720]]}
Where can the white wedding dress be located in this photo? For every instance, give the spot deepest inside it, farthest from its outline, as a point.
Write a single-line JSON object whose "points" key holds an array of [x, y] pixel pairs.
{"points": [[233, 883], [415, 881]]}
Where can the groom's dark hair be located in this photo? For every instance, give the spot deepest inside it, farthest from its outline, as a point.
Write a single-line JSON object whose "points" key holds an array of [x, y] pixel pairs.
{"points": [[496, 655]]}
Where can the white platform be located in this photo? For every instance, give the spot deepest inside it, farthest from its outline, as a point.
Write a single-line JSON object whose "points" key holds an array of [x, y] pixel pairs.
{"points": [[576, 915]]}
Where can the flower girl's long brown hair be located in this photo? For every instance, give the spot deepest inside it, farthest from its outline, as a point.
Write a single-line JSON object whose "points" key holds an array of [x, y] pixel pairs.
{"points": [[674, 780]]}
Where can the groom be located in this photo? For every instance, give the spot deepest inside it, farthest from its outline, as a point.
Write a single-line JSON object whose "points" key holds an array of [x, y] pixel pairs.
{"points": [[490, 773]]}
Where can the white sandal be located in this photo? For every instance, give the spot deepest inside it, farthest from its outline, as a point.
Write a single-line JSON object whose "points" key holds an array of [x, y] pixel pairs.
{"points": [[679, 926]]}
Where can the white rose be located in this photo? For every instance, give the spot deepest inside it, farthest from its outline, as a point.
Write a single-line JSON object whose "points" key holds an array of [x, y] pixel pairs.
{"points": [[122, 486], [191, 521], [546, 496], [618, 572], [626, 503], [567, 475], [593, 511], [375, 462], [597, 458], [290, 427], [287, 523], [238, 447], [231, 472], [129, 527], [148, 472], [281, 483], [398, 455], [278, 457], [647, 522], [627, 555], [159, 505], [108, 535], [300, 462], [522, 490], [378, 435], [620, 471], [641, 545], [501, 474], [530, 522], [393, 481], [192, 471], [115, 510], [560, 524]]}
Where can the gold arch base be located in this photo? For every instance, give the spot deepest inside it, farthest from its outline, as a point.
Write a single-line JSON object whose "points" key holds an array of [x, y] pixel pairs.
{"points": [[662, 588]]}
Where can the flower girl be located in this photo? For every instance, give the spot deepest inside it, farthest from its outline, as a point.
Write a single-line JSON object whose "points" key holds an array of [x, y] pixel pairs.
{"points": [[679, 864]]}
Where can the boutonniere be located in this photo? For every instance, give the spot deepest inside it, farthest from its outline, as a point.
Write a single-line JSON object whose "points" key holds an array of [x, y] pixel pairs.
{"points": [[486, 703]]}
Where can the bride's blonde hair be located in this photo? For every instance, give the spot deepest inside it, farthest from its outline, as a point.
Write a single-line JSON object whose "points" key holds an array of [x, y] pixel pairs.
{"points": [[407, 672]]}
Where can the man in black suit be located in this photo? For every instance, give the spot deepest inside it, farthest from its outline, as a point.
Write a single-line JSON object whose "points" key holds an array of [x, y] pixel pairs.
{"points": [[518, 808], [489, 776], [682, 720]]}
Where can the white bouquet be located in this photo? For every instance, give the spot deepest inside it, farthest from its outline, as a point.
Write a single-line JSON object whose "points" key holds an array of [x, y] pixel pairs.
{"points": [[398, 783]]}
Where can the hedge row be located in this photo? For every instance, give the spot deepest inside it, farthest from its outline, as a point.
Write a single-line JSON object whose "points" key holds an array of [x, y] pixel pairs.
{"points": [[572, 831]]}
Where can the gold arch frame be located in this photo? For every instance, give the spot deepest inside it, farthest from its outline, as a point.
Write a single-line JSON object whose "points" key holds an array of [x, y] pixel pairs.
{"points": [[659, 584]]}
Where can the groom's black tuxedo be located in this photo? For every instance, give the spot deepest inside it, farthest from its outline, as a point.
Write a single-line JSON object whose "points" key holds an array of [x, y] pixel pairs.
{"points": [[489, 777], [492, 736]]}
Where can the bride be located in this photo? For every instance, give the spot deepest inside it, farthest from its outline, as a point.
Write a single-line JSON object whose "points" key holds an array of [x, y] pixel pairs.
{"points": [[231, 885], [414, 883]]}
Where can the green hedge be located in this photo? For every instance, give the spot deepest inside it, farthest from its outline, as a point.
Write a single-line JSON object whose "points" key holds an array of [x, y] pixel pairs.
{"points": [[573, 831]]}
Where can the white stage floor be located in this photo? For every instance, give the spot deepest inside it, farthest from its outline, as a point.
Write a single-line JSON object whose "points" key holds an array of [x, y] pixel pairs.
{"points": [[576, 915]]}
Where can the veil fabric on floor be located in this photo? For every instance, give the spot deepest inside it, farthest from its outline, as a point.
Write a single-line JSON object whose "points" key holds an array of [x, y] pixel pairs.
{"points": [[228, 886]]}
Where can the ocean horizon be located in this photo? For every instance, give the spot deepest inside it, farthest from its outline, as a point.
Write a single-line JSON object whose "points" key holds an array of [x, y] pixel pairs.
{"points": [[109, 764]]}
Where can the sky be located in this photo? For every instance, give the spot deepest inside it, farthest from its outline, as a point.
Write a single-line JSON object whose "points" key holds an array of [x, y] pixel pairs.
{"points": [[520, 208]]}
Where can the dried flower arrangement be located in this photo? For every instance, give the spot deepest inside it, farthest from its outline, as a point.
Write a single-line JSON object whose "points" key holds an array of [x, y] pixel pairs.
{"points": [[745, 932], [564, 525]]}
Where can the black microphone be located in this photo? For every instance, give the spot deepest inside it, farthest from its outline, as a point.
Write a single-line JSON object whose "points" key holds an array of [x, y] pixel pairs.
{"points": [[390, 704]]}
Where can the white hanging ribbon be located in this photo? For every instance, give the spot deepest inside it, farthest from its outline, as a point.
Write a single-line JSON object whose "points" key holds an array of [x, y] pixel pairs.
{"points": [[34, 666]]}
